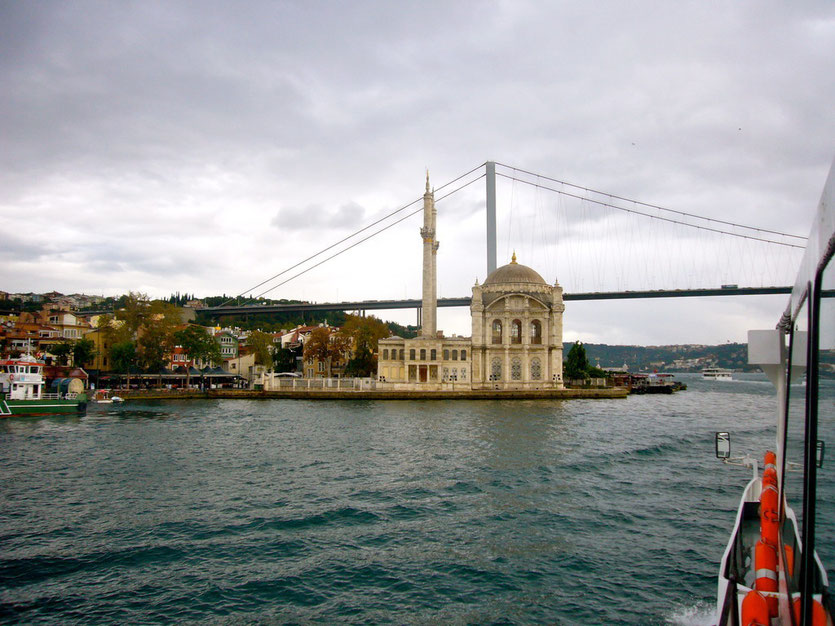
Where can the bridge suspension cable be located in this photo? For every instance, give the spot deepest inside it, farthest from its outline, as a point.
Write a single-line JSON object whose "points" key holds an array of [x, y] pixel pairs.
{"points": [[354, 234], [646, 204]]}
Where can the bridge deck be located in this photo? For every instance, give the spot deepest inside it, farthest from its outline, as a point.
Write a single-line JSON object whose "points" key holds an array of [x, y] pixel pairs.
{"points": [[369, 305]]}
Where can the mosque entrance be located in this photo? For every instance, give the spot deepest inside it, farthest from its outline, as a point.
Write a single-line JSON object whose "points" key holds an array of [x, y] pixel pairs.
{"points": [[423, 371]]}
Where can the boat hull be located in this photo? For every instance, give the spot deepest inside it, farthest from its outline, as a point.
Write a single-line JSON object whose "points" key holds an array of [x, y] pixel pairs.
{"points": [[12, 408]]}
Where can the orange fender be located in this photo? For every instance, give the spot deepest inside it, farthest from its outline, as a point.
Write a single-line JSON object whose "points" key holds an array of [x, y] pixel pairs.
{"points": [[755, 610]]}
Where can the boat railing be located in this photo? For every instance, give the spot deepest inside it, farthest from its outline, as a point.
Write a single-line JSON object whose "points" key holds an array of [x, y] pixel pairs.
{"points": [[58, 396]]}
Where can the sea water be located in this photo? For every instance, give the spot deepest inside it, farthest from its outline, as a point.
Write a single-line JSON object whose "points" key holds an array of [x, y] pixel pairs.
{"points": [[280, 511]]}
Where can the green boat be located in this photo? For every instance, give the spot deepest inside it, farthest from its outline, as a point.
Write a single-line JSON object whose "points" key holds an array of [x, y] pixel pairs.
{"points": [[22, 390]]}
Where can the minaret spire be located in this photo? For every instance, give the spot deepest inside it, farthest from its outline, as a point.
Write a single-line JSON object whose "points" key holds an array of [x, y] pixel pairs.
{"points": [[430, 272]]}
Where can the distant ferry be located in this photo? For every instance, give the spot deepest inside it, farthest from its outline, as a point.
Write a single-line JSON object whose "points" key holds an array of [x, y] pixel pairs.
{"points": [[716, 373], [21, 390]]}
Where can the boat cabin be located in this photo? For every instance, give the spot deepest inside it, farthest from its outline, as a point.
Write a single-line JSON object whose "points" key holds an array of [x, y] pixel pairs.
{"points": [[21, 379]]}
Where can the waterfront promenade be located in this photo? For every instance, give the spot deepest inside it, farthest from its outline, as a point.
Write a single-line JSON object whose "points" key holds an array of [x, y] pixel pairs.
{"points": [[377, 394]]}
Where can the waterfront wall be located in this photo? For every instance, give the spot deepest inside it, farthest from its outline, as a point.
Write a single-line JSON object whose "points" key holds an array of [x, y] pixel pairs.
{"points": [[367, 394]]}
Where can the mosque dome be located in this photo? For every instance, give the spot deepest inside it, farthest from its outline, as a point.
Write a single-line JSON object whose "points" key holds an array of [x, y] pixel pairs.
{"points": [[514, 272]]}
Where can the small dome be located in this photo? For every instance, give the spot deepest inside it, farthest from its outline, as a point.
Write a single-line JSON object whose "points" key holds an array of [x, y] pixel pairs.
{"points": [[513, 272]]}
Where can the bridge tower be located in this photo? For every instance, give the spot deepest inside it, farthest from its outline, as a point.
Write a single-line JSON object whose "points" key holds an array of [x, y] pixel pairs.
{"points": [[429, 327], [490, 177]]}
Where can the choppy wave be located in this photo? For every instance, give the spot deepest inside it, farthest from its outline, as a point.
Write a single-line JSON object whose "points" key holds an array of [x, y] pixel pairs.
{"points": [[243, 512]]}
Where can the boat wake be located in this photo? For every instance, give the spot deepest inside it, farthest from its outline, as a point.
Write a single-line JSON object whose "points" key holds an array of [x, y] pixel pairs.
{"points": [[702, 614]]}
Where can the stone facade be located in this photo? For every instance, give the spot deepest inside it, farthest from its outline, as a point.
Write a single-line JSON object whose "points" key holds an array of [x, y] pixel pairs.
{"points": [[516, 338], [517, 330]]}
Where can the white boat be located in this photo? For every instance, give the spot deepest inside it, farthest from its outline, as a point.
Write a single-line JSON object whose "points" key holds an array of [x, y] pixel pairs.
{"points": [[103, 397], [770, 573], [22, 390], [717, 373]]}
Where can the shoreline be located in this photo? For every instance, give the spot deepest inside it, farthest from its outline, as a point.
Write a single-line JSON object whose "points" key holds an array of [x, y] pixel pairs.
{"points": [[342, 394]]}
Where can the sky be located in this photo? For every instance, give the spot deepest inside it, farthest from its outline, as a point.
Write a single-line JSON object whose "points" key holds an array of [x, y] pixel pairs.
{"points": [[204, 147]]}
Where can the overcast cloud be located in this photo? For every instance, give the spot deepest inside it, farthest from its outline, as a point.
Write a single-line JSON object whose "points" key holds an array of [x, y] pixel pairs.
{"points": [[205, 146]]}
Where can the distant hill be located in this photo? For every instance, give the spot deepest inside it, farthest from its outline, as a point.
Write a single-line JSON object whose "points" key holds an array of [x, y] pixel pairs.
{"points": [[681, 358]]}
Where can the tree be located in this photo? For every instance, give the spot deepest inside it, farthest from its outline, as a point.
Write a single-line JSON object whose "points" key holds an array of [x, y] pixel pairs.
{"points": [[325, 346], [284, 360], [364, 333], [262, 345], [363, 363], [83, 352], [62, 351], [123, 357], [576, 364], [134, 311], [199, 345], [156, 335]]}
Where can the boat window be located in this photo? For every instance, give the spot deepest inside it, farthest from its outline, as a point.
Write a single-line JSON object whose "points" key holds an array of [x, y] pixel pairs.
{"points": [[824, 545]]}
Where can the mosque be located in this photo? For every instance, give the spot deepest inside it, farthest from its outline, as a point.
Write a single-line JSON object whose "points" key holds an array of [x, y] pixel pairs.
{"points": [[516, 341]]}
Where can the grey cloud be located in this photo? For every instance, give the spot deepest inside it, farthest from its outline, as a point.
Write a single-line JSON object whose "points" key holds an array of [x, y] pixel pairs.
{"points": [[318, 217], [179, 142]]}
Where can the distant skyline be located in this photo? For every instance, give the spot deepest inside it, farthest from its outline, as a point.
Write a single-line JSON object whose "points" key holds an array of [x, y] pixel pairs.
{"points": [[203, 147]]}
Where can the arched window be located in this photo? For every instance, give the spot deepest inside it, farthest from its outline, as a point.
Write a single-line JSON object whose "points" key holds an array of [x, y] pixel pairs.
{"points": [[455, 355], [446, 355], [402, 354], [423, 354], [536, 369], [385, 355], [412, 354], [516, 331], [433, 354], [516, 369], [496, 369], [497, 331], [463, 355], [536, 332]]}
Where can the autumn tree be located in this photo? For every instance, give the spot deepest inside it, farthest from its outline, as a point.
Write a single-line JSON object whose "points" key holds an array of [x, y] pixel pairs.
{"points": [[363, 333], [134, 312], [262, 346], [325, 346]]}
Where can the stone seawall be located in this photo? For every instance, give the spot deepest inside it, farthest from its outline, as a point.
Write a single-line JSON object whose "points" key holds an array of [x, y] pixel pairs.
{"points": [[342, 394]]}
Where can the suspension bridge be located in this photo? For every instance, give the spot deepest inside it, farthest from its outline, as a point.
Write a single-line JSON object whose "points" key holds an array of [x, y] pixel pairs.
{"points": [[623, 247]]}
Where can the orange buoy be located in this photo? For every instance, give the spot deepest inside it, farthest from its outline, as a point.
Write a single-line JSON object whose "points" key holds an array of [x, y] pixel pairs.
{"points": [[765, 577], [789, 560], [770, 476], [770, 459], [769, 515], [755, 610], [818, 613]]}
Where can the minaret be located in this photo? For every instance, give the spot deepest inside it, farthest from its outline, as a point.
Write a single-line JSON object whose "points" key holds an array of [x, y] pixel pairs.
{"points": [[429, 329]]}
